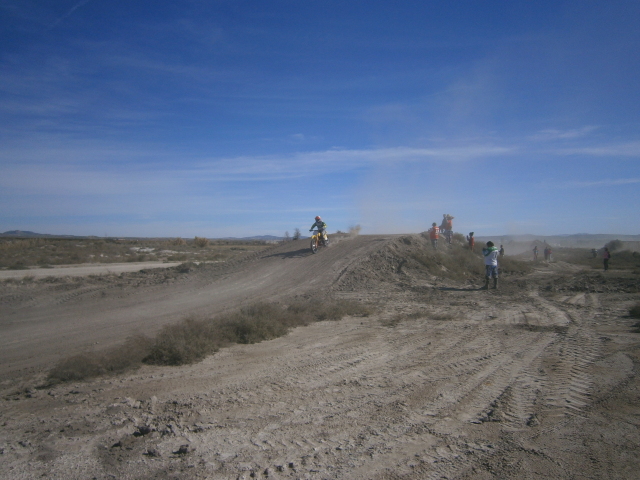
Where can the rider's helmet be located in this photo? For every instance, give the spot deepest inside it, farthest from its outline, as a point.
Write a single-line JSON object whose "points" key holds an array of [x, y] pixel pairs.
{"points": [[318, 218]]}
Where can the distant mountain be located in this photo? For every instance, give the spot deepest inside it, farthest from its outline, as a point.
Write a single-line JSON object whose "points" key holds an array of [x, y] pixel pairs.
{"points": [[29, 234], [23, 233]]}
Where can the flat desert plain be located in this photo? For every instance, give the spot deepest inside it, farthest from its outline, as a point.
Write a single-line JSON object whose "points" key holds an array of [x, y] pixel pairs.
{"points": [[535, 380]]}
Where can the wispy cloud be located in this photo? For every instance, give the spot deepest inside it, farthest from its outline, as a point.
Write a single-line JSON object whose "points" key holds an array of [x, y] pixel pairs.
{"points": [[603, 183], [556, 134], [629, 149], [62, 176], [69, 13]]}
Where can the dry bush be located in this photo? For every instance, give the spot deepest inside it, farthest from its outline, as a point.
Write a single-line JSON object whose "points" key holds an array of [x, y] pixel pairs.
{"points": [[459, 263], [201, 242], [186, 342], [92, 364], [179, 242], [193, 339], [354, 230], [459, 238], [186, 267]]}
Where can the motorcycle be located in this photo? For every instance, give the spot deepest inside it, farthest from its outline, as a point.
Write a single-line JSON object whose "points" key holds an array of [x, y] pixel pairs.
{"points": [[318, 240]]}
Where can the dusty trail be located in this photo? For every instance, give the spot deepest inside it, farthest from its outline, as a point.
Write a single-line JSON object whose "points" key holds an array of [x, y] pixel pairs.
{"points": [[440, 383], [38, 329]]}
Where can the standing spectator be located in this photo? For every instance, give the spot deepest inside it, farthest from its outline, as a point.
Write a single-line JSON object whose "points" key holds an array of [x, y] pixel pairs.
{"points": [[549, 253], [606, 255], [546, 253], [446, 227], [434, 232], [501, 251], [472, 241], [535, 253], [490, 254]]}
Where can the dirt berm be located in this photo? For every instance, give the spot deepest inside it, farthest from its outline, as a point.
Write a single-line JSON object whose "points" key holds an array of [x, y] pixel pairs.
{"points": [[538, 379]]}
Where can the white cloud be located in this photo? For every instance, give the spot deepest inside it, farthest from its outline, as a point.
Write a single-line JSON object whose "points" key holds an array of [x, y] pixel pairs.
{"points": [[556, 134], [603, 183], [630, 149]]}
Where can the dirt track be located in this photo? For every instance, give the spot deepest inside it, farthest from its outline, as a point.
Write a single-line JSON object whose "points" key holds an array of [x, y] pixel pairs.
{"points": [[536, 380]]}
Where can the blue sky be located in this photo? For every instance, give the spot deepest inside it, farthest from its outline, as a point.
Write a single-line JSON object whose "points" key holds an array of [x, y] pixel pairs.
{"points": [[237, 118]]}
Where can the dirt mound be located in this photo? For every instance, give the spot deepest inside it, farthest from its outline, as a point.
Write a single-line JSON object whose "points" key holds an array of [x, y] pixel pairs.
{"points": [[411, 259]]}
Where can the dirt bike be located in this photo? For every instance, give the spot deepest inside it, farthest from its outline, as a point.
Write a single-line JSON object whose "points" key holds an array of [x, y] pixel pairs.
{"points": [[318, 240]]}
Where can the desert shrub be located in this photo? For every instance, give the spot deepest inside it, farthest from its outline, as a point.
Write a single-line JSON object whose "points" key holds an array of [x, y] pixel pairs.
{"points": [[201, 242], [458, 263], [186, 267], [18, 266], [258, 322], [193, 339], [92, 364], [635, 311], [178, 242], [186, 342], [459, 238]]}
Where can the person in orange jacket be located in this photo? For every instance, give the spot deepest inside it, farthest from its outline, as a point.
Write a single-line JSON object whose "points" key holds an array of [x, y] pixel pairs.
{"points": [[434, 233], [472, 241]]}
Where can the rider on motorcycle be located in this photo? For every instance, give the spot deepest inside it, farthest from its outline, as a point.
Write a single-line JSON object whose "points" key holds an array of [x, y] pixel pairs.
{"points": [[321, 226]]}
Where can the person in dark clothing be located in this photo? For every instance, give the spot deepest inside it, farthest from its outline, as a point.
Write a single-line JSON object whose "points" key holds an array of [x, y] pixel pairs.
{"points": [[606, 256]]}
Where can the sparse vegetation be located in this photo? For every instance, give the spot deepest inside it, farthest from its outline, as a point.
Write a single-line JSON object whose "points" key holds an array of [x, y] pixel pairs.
{"points": [[112, 361], [21, 254], [193, 339], [201, 242]]}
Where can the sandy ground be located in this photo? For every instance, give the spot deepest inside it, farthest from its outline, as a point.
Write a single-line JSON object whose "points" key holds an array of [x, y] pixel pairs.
{"points": [[85, 270], [536, 380]]}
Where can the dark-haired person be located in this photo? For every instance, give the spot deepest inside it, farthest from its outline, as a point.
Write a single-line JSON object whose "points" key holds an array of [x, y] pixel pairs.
{"points": [[490, 253], [472, 241], [606, 256], [447, 227]]}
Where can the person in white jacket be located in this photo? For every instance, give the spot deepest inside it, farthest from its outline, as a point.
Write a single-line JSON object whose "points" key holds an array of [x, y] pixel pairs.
{"points": [[490, 253]]}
